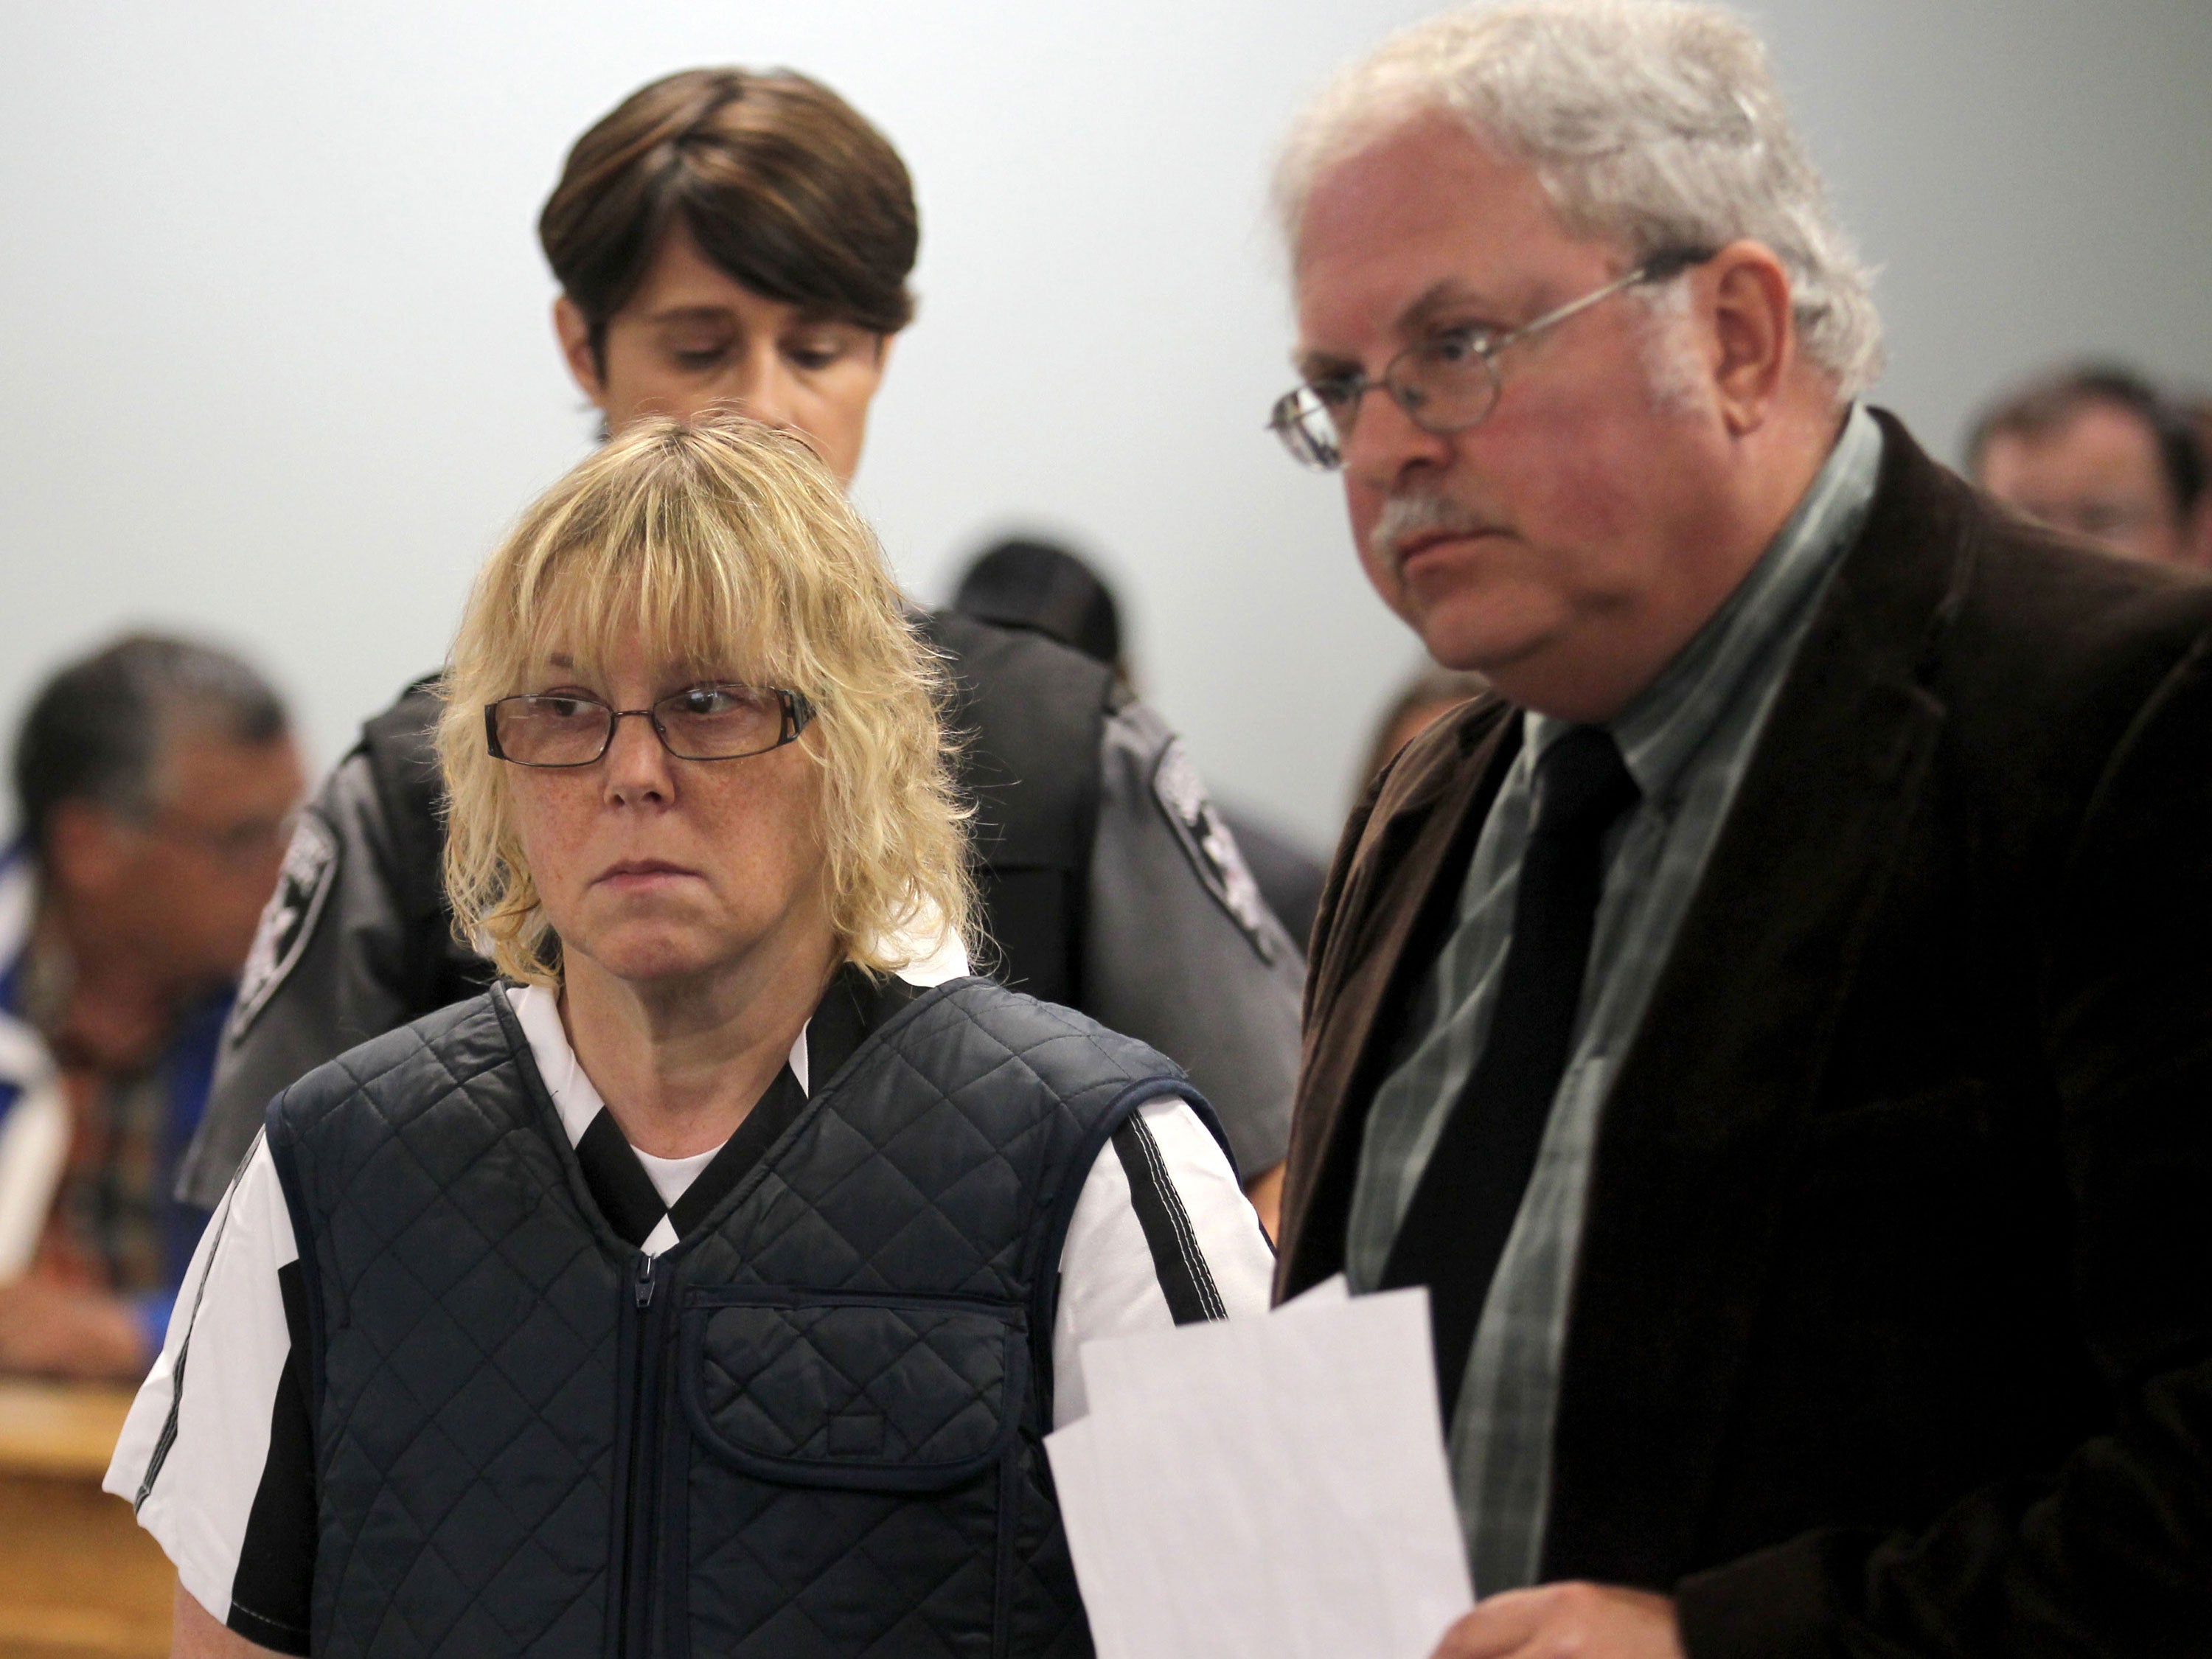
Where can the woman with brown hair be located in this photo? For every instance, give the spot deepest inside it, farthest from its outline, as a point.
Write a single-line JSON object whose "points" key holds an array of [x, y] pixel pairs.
{"points": [[709, 1284]]}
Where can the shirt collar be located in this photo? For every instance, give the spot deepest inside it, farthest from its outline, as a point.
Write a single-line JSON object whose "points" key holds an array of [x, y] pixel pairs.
{"points": [[537, 1011], [1665, 726], [851, 1007]]}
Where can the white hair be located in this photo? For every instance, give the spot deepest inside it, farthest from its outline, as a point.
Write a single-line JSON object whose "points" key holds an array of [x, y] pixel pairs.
{"points": [[1653, 123]]}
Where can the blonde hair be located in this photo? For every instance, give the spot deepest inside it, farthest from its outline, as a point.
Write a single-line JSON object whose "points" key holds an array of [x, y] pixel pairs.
{"points": [[718, 545]]}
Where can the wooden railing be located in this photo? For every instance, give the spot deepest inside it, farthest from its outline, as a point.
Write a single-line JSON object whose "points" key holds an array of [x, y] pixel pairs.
{"points": [[78, 1579]]}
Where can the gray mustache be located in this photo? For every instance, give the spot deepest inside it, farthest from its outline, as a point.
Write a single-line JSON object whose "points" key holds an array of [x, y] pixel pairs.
{"points": [[1404, 517]]}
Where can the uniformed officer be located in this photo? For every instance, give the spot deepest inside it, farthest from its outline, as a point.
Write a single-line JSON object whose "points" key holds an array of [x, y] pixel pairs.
{"points": [[727, 238]]}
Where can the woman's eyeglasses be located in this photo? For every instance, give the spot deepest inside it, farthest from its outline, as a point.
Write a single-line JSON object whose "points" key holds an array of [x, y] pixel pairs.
{"points": [[699, 723]]}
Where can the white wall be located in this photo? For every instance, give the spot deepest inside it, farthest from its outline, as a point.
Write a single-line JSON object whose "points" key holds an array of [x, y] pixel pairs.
{"points": [[274, 360]]}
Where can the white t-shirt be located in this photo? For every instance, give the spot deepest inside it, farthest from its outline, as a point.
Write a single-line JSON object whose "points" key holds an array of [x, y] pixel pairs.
{"points": [[225, 1438]]}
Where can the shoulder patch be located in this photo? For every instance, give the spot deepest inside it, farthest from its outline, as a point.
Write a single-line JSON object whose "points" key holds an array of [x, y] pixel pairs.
{"points": [[1211, 848], [288, 920]]}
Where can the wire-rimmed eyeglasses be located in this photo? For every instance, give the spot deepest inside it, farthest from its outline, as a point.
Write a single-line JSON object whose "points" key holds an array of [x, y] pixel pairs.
{"points": [[1446, 383], [699, 723]]}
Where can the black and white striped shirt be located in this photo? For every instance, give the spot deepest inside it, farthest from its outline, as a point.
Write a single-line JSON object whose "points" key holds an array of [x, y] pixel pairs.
{"points": [[217, 1454]]}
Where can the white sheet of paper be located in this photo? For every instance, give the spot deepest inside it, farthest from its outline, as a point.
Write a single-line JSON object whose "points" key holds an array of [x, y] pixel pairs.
{"points": [[1333, 1288], [1272, 1487]]}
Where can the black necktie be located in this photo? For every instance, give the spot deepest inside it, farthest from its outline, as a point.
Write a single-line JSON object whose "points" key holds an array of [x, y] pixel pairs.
{"points": [[1462, 1212]]}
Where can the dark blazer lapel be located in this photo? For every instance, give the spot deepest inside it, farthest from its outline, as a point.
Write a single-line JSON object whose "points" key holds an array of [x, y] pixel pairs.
{"points": [[1394, 899], [1729, 1054]]}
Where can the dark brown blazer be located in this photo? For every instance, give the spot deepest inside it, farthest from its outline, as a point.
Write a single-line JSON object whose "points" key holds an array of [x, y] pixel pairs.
{"points": [[1892, 1323]]}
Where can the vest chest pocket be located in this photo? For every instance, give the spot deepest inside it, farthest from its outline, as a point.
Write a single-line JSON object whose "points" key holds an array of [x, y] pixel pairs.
{"points": [[846, 1482], [851, 1391]]}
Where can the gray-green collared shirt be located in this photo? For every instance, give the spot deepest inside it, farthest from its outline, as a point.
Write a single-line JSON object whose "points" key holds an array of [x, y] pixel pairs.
{"points": [[1687, 741]]}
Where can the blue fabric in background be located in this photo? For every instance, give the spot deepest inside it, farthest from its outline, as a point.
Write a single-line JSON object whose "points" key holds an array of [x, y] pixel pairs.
{"points": [[186, 1069]]}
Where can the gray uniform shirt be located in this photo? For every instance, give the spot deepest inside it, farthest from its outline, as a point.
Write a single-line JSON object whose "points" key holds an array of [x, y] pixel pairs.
{"points": [[1687, 741], [1177, 951]]}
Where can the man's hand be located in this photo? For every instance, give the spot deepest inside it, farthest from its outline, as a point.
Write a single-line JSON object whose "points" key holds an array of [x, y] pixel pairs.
{"points": [[54, 1330], [1566, 1621]]}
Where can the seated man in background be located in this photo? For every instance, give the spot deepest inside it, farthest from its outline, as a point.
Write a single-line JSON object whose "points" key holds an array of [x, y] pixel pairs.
{"points": [[2101, 452], [154, 781], [732, 240]]}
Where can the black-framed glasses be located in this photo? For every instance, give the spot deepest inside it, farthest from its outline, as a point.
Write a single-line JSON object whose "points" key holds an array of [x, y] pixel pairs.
{"points": [[1446, 383], [699, 723]]}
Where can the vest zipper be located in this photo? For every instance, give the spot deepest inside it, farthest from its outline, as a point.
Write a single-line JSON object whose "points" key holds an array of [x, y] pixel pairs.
{"points": [[643, 1485]]}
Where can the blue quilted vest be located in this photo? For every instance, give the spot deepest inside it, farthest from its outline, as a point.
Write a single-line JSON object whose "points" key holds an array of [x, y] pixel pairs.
{"points": [[812, 1427]]}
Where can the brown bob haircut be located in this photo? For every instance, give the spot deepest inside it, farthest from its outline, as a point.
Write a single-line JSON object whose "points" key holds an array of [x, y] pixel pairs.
{"points": [[780, 182]]}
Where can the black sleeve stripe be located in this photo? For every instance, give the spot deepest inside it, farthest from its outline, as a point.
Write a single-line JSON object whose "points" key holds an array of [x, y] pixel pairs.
{"points": [[271, 1596], [1178, 1263]]}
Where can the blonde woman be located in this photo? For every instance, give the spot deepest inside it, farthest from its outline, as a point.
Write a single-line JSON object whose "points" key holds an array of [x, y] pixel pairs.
{"points": [[708, 1284]]}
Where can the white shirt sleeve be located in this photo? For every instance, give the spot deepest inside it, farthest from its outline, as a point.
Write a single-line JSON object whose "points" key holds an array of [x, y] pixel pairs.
{"points": [[196, 1445], [1116, 1278]]}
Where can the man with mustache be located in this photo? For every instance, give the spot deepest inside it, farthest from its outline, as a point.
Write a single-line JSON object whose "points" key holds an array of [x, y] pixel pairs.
{"points": [[1776, 1029]]}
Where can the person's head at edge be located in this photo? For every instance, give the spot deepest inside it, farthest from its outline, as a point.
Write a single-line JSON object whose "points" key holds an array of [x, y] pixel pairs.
{"points": [[1488, 168], [732, 240], [154, 781], [655, 890], [1021, 582], [2099, 452]]}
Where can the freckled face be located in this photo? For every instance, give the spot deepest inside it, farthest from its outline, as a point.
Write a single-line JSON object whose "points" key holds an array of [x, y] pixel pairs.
{"points": [[1557, 513], [660, 869]]}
